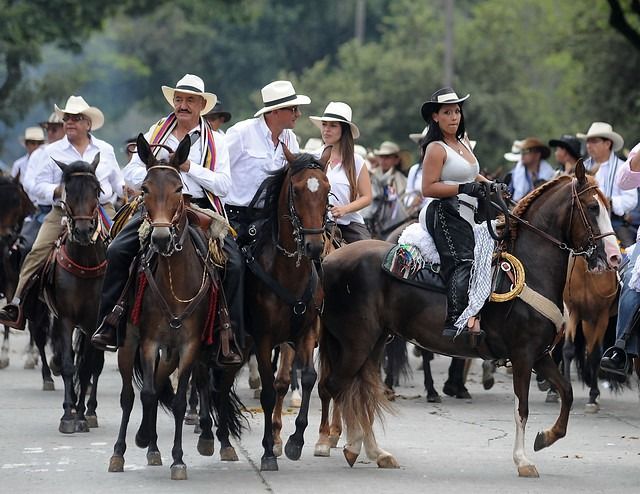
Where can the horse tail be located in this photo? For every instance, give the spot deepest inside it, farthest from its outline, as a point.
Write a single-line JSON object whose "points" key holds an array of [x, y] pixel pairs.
{"points": [[226, 407], [164, 389], [580, 349], [396, 361]]}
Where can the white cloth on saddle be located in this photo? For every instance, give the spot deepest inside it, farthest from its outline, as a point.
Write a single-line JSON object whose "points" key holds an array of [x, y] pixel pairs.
{"points": [[480, 281]]}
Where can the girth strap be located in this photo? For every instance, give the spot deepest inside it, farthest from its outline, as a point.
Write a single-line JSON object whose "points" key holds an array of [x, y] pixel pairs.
{"points": [[544, 306]]}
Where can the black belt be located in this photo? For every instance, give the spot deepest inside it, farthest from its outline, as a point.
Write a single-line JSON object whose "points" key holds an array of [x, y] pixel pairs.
{"points": [[201, 202], [241, 210]]}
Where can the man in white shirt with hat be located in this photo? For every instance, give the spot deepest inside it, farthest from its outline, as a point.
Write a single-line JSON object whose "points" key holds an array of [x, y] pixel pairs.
{"points": [[206, 178], [32, 140], [80, 120], [602, 144], [256, 148]]}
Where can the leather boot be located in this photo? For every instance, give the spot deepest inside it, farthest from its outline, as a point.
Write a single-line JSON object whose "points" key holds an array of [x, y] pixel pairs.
{"points": [[615, 361], [12, 315]]}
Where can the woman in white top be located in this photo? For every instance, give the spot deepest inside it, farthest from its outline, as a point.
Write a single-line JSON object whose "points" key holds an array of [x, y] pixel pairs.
{"points": [[451, 175], [346, 171]]}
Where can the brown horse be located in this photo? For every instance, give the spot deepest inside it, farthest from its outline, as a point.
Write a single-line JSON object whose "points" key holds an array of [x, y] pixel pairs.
{"points": [[283, 284], [363, 305]]}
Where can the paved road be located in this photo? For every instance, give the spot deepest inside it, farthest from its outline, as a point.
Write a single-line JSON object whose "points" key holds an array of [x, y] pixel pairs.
{"points": [[455, 446]]}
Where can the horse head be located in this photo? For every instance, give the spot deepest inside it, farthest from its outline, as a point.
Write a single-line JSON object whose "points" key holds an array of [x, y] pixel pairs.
{"points": [[304, 202], [15, 206], [162, 193], [81, 200]]}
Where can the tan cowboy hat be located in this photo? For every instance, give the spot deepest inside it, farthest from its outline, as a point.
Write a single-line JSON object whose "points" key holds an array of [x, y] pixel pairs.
{"points": [[76, 105], [535, 144], [605, 130], [280, 94], [337, 111], [32, 134], [416, 137], [191, 84], [516, 150], [387, 148]]}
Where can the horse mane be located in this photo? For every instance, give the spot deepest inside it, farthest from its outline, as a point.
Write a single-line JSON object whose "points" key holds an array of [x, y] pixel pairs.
{"points": [[269, 191], [76, 187]]}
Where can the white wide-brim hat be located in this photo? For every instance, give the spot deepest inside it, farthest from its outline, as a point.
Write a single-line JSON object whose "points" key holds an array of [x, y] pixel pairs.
{"points": [[416, 137], [516, 152], [191, 84], [280, 94], [603, 129], [387, 148], [76, 105], [312, 145], [32, 134], [337, 111]]}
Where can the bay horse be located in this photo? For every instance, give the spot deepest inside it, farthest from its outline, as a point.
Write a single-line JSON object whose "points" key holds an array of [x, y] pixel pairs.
{"points": [[363, 305], [283, 285], [71, 289]]}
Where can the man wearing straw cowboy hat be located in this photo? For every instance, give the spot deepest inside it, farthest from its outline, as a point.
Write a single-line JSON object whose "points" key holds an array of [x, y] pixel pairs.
{"points": [[206, 179], [33, 138], [79, 143], [602, 144], [256, 148]]}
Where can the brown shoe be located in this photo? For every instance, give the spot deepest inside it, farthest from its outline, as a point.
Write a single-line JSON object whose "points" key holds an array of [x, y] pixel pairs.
{"points": [[105, 338], [11, 315], [230, 359]]}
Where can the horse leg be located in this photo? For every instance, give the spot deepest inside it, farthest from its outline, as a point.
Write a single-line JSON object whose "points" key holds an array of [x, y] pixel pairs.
{"points": [[293, 448], [178, 467], [295, 401], [432, 394], [192, 417], [147, 435], [126, 358], [269, 462], [225, 404], [594, 335], [254, 375], [64, 332], [32, 354], [549, 369], [4, 352], [383, 458], [335, 430], [82, 377], [97, 363], [454, 385], [281, 385], [38, 329], [323, 446], [521, 380], [488, 371], [200, 384]]}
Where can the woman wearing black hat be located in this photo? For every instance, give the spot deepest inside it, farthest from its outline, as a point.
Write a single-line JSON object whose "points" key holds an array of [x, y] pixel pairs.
{"points": [[451, 175]]}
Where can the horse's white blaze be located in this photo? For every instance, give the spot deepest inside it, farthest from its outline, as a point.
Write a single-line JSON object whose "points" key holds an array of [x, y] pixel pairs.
{"points": [[313, 184], [611, 249], [519, 457]]}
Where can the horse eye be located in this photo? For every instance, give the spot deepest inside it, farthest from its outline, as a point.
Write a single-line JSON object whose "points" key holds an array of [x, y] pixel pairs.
{"points": [[179, 190], [144, 189]]}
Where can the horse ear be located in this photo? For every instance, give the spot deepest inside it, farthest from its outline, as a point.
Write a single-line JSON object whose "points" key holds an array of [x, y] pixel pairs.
{"points": [[61, 165], [182, 153], [144, 151], [94, 163], [288, 154], [326, 154], [581, 172]]}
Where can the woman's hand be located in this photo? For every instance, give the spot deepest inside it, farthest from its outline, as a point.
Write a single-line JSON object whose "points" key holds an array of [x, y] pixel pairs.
{"points": [[338, 211]]}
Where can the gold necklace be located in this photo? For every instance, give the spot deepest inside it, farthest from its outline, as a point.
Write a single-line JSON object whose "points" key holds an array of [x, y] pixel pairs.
{"points": [[457, 148]]}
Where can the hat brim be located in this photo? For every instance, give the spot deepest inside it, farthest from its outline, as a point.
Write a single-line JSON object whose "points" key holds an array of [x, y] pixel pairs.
{"points": [[428, 107], [416, 137], [300, 99], [614, 137], [513, 157], [210, 98], [317, 121], [94, 114]]}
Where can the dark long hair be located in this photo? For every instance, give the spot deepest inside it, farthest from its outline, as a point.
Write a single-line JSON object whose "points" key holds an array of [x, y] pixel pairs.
{"points": [[348, 161], [435, 134]]}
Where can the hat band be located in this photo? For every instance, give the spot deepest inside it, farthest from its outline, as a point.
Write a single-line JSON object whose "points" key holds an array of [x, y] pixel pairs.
{"points": [[335, 115], [189, 88], [280, 100], [443, 98]]}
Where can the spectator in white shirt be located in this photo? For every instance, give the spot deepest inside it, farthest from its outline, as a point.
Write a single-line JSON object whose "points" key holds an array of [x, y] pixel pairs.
{"points": [[32, 140], [78, 144]]}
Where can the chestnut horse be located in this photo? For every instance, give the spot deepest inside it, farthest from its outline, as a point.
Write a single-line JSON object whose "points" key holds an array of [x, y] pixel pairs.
{"points": [[363, 305]]}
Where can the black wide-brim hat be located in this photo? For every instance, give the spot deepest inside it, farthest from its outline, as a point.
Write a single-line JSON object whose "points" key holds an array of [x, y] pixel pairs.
{"points": [[443, 96], [568, 142], [219, 111]]}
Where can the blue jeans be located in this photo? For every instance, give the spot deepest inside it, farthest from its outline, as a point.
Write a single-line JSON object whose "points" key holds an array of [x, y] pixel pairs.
{"points": [[628, 304]]}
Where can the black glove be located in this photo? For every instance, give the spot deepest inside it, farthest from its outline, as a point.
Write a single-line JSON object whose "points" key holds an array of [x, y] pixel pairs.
{"points": [[473, 189], [499, 188]]}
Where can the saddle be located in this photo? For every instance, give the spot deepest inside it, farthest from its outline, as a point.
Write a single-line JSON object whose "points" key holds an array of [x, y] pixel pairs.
{"points": [[405, 263]]}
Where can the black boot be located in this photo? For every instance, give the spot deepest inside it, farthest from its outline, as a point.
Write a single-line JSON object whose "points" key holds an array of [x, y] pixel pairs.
{"points": [[615, 361], [12, 315]]}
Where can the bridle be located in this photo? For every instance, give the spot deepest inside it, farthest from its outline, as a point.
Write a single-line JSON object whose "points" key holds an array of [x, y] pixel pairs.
{"points": [[299, 231], [94, 217]]}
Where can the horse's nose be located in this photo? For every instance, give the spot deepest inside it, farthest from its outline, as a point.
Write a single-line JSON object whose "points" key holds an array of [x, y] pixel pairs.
{"points": [[161, 239], [314, 249], [612, 251]]}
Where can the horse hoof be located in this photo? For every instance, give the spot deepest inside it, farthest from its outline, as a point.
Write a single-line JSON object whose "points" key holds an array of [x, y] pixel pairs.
{"points": [[434, 398], [349, 456], [92, 421], [191, 418], [463, 394], [116, 464], [67, 426], [333, 440], [179, 472], [277, 450], [296, 399], [387, 461], [529, 471], [4, 363], [228, 454], [591, 408], [488, 383], [82, 426], [154, 459], [197, 429], [48, 386], [54, 367], [544, 385], [254, 382], [29, 364], [293, 450], [256, 393], [206, 446], [322, 450], [552, 397], [540, 442], [269, 464]]}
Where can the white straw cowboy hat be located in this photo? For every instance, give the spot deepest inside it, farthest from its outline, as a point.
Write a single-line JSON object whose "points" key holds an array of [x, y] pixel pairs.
{"points": [[337, 111], [443, 96], [76, 105], [312, 145], [53, 119], [387, 148], [32, 134], [280, 94], [605, 130], [516, 152], [416, 137], [191, 84]]}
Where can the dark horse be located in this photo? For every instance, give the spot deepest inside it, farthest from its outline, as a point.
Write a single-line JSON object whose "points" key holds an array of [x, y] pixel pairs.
{"points": [[71, 288], [283, 285], [173, 305], [363, 305]]}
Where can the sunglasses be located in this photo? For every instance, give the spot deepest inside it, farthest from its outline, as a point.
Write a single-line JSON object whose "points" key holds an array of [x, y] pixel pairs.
{"points": [[73, 118]]}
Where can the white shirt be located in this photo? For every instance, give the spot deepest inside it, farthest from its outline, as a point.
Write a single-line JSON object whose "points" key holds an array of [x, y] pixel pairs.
{"points": [[414, 186], [28, 177], [521, 182], [48, 175], [19, 167], [341, 190], [198, 178], [622, 201], [253, 156]]}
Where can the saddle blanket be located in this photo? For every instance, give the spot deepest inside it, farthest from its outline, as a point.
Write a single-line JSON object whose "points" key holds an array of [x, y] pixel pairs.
{"points": [[480, 282]]}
